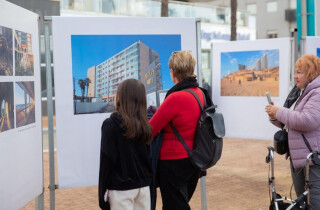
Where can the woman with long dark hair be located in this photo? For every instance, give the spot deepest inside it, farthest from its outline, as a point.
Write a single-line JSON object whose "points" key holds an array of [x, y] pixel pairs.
{"points": [[125, 161]]}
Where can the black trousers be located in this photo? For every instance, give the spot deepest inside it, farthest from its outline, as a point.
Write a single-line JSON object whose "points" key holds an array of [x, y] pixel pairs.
{"points": [[177, 180]]}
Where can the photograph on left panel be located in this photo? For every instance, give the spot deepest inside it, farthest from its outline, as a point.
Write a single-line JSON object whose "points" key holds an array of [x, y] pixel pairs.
{"points": [[6, 106], [6, 56], [25, 103], [23, 54]]}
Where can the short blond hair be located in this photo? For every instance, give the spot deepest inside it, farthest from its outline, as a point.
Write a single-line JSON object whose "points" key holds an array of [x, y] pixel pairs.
{"points": [[182, 63], [310, 64]]}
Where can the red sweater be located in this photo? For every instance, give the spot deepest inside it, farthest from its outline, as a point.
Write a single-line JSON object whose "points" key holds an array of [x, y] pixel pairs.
{"points": [[183, 109]]}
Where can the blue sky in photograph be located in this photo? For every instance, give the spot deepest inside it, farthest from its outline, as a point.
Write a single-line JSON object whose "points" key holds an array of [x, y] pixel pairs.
{"points": [[230, 60], [91, 50], [19, 94], [318, 52]]}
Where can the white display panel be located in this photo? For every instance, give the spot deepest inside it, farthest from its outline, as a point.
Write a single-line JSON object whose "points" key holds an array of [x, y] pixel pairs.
{"points": [[78, 131], [242, 72], [312, 45], [21, 172], [152, 99]]}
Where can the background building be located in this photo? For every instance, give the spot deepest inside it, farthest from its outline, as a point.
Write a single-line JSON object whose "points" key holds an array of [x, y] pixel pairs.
{"points": [[264, 61], [91, 88], [258, 65], [273, 18], [242, 67], [215, 20]]}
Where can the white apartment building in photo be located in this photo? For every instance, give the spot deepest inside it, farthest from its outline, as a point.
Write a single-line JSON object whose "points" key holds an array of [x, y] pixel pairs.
{"points": [[137, 61]]}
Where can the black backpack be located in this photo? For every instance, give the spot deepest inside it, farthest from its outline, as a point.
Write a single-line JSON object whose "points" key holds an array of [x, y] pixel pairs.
{"points": [[208, 142]]}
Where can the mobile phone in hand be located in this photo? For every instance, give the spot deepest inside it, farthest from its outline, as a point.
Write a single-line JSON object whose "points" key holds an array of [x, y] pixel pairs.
{"points": [[268, 97]]}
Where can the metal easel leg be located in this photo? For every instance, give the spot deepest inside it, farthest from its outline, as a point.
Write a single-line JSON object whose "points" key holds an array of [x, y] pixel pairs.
{"points": [[50, 113]]}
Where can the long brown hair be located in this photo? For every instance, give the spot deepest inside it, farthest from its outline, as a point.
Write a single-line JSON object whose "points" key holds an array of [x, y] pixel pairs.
{"points": [[132, 106]]}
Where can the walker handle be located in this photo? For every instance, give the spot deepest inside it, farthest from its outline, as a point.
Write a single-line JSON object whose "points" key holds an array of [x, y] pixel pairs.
{"points": [[270, 154], [315, 159]]}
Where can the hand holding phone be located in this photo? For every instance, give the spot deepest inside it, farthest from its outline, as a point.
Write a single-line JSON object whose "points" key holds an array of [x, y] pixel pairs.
{"points": [[268, 97]]}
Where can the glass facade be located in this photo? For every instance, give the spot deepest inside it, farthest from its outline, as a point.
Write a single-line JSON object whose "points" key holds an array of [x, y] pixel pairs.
{"points": [[152, 8]]}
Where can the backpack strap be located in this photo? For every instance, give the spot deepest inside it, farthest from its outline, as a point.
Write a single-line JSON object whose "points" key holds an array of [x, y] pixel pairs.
{"points": [[315, 159], [196, 96], [175, 131], [306, 142], [177, 134]]}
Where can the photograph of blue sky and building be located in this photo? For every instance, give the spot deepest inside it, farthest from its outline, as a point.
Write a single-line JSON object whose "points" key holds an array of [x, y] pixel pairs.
{"points": [[101, 62], [250, 73], [25, 103]]}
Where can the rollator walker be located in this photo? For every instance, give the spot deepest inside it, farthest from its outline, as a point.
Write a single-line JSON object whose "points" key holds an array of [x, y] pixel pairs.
{"points": [[302, 202]]}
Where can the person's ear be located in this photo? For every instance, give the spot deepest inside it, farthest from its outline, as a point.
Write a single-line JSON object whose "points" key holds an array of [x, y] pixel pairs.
{"points": [[172, 72]]}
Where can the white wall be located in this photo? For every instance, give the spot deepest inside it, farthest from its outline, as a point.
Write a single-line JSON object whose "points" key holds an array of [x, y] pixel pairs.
{"points": [[311, 44]]}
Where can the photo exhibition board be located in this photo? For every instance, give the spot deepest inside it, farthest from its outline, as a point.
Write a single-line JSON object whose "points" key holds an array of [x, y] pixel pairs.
{"points": [[91, 57], [312, 45], [21, 172], [242, 73]]}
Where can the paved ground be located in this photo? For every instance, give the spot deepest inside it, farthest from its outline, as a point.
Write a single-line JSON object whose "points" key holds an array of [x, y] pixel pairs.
{"points": [[239, 181]]}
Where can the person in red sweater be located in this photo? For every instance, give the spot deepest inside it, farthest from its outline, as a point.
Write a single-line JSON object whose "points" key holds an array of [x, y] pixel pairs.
{"points": [[178, 178]]}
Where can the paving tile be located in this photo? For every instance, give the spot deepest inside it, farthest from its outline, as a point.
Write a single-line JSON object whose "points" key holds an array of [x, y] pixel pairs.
{"points": [[238, 181]]}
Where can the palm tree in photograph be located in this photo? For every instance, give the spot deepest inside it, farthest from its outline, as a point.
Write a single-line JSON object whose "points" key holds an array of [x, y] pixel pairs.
{"points": [[83, 83]]}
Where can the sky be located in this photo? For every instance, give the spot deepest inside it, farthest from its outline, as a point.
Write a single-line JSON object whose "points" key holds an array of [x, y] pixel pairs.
{"points": [[91, 50], [318, 52], [230, 60], [19, 95]]}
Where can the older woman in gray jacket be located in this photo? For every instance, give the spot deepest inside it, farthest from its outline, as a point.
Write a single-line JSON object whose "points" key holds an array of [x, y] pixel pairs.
{"points": [[303, 117]]}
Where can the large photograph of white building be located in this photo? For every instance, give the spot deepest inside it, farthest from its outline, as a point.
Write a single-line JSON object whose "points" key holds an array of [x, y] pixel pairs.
{"points": [[101, 62]]}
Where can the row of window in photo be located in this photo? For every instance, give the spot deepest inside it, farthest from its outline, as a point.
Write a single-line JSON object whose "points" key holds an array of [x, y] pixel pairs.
{"points": [[127, 67], [113, 90], [120, 65], [128, 72], [111, 80], [115, 82], [127, 51], [116, 70], [111, 63], [120, 78]]}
